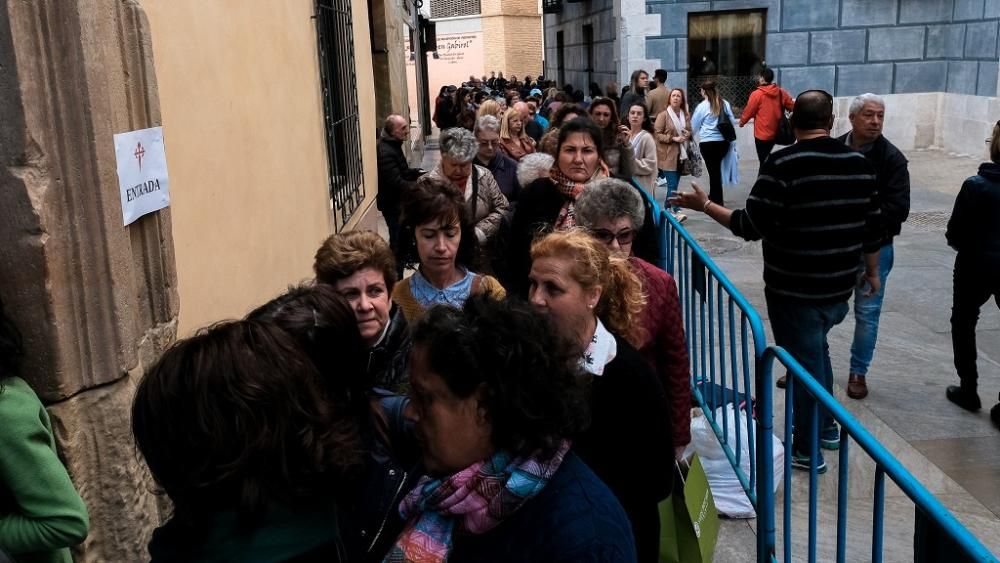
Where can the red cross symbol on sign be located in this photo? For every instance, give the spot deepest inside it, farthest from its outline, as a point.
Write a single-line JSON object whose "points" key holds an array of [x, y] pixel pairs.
{"points": [[139, 153]]}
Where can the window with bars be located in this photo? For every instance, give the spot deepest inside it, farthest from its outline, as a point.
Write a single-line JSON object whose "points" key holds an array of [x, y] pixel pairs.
{"points": [[454, 8], [338, 82]]}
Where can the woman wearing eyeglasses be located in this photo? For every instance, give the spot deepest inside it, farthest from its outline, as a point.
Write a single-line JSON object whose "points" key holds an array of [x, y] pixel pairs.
{"points": [[613, 213]]}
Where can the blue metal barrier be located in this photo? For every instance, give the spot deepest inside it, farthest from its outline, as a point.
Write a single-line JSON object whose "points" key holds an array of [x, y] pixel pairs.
{"points": [[726, 343], [885, 465], [725, 339]]}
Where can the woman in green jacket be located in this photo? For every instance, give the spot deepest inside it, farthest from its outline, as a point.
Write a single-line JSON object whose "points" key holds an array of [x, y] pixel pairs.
{"points": [[41, 514]]}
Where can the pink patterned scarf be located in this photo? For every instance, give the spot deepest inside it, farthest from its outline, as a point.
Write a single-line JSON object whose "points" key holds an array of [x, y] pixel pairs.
{"points": [[567, 215], [472, 501]]}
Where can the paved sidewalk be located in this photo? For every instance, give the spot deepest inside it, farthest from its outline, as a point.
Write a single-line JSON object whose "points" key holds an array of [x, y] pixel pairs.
{"points": [[954, 453]]}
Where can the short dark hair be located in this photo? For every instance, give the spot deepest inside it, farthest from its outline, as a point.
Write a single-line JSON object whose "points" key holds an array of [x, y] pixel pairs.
{"points": [[434, 198], [237, 417], [323, 324], [661, 76], [535, 395], [565, 109], [582, 124], [813, 110], [11, 350], [767, 74]]}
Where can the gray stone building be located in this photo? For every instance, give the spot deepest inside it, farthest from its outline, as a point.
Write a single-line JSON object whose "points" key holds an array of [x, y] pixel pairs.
{"points": [[936, 59]]}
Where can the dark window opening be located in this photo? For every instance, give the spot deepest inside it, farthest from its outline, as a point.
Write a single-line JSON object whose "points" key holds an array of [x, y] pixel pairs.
{"points": [[335, 34], [561, 57], [727, 47], [588, 45]]}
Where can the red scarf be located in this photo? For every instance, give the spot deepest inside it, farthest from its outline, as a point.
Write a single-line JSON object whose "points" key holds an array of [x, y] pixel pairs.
{"points": [[571, 190]]}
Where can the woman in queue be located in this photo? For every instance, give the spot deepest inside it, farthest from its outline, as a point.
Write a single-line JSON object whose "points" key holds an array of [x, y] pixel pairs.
{"points": [[595, 300], [238, 429], [617, 152], [672, 131], [640, 138], [612, 211], [438, 239], [41, 513], [361, 268], [497, 397], [550, 140], [483, 197], [322, 323], [547, 203], [974, 232], [514, 141]]}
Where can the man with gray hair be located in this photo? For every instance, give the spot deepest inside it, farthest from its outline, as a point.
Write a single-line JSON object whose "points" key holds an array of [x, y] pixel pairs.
{"points": [[487, 204], [867, 114], [394, 173], [503, 167]]}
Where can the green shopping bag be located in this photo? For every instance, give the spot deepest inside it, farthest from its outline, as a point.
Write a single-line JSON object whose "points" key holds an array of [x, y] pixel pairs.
{"points": [[689, 524]]}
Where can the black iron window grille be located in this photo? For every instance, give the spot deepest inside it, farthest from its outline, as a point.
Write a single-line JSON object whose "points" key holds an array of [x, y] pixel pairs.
{"points": [[551, 6], [338, 82], [454, 8]]}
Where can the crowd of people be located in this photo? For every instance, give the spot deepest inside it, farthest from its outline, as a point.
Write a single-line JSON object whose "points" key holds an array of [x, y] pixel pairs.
{"points": [[523, 394]]}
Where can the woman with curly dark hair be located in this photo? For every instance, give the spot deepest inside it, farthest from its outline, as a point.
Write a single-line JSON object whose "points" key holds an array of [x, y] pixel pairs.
{"points": [[437, 238], [550, 140], [595, 300], [322, 322], [237, 428], [497, 396], [41, 514]]}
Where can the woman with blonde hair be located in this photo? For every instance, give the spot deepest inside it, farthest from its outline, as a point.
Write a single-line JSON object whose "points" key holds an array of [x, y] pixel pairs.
{"points": [[595, 300], [489, 107], [514, 141]]}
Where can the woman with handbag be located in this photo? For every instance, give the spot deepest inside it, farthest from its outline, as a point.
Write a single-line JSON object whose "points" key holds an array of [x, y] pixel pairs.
{"points": [[713, 121], [766, 108], [672, 137]]}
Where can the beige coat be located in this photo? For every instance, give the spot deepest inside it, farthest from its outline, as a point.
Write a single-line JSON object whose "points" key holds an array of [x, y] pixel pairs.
{"points": [[644, 170], [667, 150]]}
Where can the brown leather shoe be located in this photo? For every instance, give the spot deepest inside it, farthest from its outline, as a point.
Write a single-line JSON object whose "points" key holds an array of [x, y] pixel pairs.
{"points": [[782, 382], [856, 386]]}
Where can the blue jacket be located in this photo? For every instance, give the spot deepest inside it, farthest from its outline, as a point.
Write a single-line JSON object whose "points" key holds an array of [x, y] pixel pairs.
{"points": [[705, 124], [574, 519]]}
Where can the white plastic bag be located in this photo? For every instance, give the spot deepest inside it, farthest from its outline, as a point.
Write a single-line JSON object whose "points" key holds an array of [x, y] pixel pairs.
{"points": [[730, 499]]}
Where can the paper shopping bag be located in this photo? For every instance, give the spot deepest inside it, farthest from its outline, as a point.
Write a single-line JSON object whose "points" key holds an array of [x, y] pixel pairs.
{"points": [[689, 524]]}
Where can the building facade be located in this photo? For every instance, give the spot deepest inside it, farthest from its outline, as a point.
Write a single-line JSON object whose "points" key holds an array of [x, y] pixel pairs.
{"points": [[270, 125], [901, 48]]}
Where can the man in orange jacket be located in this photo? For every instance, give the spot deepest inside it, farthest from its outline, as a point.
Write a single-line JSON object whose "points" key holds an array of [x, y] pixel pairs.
{"points": [[766, 106]]}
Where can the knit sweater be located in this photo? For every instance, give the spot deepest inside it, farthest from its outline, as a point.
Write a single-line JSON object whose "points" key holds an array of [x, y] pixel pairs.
{"points": [[412, 310], [815, 206], [664, 346], [41, 514]]}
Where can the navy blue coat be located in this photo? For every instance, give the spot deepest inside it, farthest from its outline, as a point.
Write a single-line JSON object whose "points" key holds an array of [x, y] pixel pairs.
{"points": [[575, 519]]}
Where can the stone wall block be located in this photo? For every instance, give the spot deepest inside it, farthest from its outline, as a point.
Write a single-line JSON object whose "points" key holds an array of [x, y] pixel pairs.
{"points": [[945, 41], [799, 79], [962, 77], [858, 79], [992, 9], [675, 16], [896, 43], [846, 46], [924, 76], [868, 12], [925, 11], [981, 40], [93, 431], [662, 49], [809, 14], [968, 10], [787, 48], [987, 84]]}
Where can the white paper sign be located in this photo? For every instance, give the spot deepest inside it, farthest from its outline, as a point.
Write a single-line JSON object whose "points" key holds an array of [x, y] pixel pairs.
{"points": [[142, 172]]}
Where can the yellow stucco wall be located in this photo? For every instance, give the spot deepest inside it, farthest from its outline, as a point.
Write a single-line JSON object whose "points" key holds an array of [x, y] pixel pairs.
{"points": [[243, 125]]}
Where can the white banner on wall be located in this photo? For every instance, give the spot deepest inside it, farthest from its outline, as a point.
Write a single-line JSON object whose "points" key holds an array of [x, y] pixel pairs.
{"points": [[142, 172]]}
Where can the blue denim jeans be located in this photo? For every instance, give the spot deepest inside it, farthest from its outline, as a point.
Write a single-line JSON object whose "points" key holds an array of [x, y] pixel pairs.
{"points": [[866, 315], [673, 178], [801, 328]]}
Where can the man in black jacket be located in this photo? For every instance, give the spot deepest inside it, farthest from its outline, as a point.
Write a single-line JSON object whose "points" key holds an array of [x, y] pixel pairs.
{"points": [[867, 113], [394, 172]]}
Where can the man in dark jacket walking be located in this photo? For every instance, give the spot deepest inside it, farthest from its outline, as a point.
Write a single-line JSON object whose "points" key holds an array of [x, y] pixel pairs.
{"points": [[867, 113], [394, 172]]}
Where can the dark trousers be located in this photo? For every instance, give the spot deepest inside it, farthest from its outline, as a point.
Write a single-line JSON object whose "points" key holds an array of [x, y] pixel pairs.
{"points": [[972, 288], [713, 152], [763, 149], [391, 216]]}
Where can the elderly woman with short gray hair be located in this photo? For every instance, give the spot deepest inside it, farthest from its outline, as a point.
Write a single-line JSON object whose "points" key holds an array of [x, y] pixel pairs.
{"points": [[487, 204], [614, 213], [503, 168]]}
